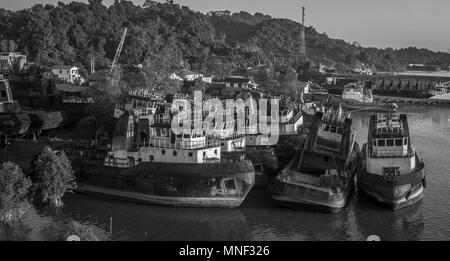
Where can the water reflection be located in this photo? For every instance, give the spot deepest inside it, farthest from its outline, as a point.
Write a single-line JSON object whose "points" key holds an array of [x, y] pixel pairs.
{"points": [[373, 219]]}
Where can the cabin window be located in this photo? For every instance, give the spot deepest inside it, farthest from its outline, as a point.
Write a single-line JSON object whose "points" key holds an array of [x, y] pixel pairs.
{"points": [[398, 142], [381, 143], [333, 129], [405, 141], [187, 135], [204, 154], [191, 154], [339, 130], [3, 94], [215, 152], [163, 152], [327, 128], [151, 158], [230, 184], [175, 153], [390, 142]]}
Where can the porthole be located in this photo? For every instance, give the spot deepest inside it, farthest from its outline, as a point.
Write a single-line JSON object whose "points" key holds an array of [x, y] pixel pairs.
{"points": [[175, 153], [163, 152], [191, 154]]}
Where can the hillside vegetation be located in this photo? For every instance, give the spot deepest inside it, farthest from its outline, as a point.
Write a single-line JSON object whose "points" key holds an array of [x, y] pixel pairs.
{"points": [[215, 43]]}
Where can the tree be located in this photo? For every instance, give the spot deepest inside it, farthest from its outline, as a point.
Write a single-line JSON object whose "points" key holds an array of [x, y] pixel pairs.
{"points": [[14, 187], [55, 176]]}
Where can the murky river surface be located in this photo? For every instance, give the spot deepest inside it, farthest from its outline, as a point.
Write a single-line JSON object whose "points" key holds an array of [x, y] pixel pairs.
{"points": [[259, 219]]}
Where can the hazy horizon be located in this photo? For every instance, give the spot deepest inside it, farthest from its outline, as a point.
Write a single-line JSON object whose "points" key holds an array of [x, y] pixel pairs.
{"points": [[381, 24]]}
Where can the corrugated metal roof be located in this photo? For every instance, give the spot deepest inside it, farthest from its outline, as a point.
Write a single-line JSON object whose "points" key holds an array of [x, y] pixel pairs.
{"points": [[101, 75], [65, 67]]}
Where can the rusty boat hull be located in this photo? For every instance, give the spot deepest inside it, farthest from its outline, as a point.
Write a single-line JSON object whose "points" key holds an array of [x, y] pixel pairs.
{"points": [[394, 193], [206, 185], [308, 196]]}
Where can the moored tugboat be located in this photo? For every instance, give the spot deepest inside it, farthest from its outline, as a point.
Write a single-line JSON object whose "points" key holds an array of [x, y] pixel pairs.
{"points": [[389, 169], [321, 175], [152, 163]]}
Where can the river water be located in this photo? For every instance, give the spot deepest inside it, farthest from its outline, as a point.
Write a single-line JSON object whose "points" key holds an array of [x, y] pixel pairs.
{"points": [[258, 219]]}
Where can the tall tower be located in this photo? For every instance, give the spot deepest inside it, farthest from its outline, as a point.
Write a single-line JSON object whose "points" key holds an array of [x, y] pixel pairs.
{"points": [[302, 51]]}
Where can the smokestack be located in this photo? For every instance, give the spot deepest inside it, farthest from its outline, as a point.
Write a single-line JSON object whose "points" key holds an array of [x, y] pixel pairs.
{"points": [[303, 37]]}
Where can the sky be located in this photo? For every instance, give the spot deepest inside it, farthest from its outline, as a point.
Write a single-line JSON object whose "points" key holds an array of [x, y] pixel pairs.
{"points": [[380, 23]]}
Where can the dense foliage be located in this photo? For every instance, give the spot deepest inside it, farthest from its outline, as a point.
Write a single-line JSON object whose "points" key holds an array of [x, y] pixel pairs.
{"points": [[14, 187], [55, 176], [165, 37]]}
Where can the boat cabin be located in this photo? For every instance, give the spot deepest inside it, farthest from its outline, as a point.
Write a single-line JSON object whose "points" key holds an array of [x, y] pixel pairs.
{"points": [[158, 142], [330, 131], [389, 150]]}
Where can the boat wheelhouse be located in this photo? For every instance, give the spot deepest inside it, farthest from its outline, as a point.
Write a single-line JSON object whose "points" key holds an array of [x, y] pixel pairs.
{"points": [[141, 102], [151, 162], [357, 92], [389, 169], [321, 174]]}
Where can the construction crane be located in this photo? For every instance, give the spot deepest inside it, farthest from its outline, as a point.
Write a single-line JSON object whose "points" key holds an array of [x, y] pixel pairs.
{"points": [[119, 49]]}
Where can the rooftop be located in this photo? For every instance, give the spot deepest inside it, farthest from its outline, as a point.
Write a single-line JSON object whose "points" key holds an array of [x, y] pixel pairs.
{"points": [[64, 67]]}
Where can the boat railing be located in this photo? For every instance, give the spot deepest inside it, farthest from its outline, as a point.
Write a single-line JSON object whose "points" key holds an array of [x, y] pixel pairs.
{"points": [[229, 137], [181, 144], [78, 100], [391, 153]]}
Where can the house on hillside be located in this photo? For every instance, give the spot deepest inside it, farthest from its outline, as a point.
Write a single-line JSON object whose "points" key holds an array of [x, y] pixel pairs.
{"points": [[240, 82], [185, 75], [67, 73]]}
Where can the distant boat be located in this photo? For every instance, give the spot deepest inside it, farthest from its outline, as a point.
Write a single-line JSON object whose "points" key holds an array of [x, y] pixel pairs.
{"points": [[389, 169], [441, 91], [357, 97]]}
